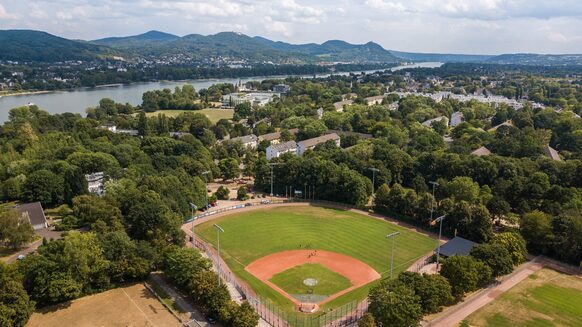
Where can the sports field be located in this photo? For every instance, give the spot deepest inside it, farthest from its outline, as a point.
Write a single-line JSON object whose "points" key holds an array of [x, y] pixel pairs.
{"points": [[258, 233], [328, 282], [125, 306], [213, 114], [546, 298]]}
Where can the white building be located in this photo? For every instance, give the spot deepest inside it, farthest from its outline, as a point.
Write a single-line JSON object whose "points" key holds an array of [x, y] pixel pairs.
{"points": [[256, 99], [457, 118], [276, 150], [312, 143], [96, 183], [374, 100], [249, 141], [281, 88], [429, 122]]}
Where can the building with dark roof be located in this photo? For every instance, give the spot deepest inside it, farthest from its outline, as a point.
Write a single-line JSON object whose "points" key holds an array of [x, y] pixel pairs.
{"points": [[456, 246], [33, 213]]}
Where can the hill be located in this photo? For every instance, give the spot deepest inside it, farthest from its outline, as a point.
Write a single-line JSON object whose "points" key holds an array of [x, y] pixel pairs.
{"points": [[29, 45], [440, 57], [137, 40], [537, 59]]}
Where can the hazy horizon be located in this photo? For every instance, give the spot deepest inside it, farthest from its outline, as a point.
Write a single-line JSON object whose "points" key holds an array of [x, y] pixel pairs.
{"points": [[429, 26]]}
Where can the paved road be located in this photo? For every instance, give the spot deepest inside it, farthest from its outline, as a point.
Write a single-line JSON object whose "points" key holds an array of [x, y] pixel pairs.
{"points": [[196, 318], [46, 233], [454, 315]]}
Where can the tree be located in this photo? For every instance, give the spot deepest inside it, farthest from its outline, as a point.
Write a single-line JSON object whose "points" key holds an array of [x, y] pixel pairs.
{"points": [[180, 264], [14, 230], [394, 305], [382, 200], [536, 229], [229, 168], [74, 184], [43, 186], [15, 305], [464, 274], [495, 256], [243, 110], [245, 316], [222, 193], [143, 126], [367, 321], [242, 194], [125, 262], [514, 244], [434, 291]]}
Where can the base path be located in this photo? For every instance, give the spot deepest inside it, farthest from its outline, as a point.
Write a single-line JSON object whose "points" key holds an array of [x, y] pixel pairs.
{"points": [[454, 315], [358, 272]]}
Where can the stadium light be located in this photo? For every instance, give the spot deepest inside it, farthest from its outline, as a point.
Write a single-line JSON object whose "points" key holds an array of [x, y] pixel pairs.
{"points": [[439, 220], [218, 231], [204, 173], [434, 184], [272, 165], [374, 171], [393, 236]]}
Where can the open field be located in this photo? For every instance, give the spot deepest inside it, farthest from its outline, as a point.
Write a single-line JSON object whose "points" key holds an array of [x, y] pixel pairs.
{"points": [[127, 306], [546, 298], [255, 234], [328, 282], [213, 114]]}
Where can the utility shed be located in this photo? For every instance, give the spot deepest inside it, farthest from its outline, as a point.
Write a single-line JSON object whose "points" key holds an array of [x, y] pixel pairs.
{"points": [[457, 246]]}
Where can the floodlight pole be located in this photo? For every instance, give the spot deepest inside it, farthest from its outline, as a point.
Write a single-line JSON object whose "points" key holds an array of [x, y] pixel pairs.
{"points": [[439, 220], [218, 231], [393, 236], [272, 166], [204, 173], [374, 171], [192, 208], [434, 184]]}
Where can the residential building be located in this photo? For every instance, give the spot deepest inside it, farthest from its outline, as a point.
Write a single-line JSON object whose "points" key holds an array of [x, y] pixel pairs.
{"points": [[457, 118], [276, 150], [109, 126], [281, 88], [34, 214], [249, 141], [429, 122], [339, 106], [552, 153], [374, 100], [312, 143], [256, 99], [275, 137], [482, 151], [96, 183]]}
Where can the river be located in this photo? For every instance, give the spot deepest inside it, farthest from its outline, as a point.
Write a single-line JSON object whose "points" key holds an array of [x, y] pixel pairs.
{"points": [[77, 100]]}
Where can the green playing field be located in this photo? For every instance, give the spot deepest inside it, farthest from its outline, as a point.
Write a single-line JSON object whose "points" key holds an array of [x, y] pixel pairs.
{"points": [[254, 234]]}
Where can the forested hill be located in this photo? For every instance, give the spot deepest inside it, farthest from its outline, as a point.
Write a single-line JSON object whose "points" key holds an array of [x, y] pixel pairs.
{"points": [[28, 45]]}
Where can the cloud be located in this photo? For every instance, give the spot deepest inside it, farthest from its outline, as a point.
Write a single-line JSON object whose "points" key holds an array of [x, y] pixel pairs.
{"points": [[5, 14], [469, 26]]}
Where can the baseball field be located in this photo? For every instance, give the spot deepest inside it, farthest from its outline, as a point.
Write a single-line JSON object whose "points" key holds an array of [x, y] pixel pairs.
{"points": [[333, 256]]}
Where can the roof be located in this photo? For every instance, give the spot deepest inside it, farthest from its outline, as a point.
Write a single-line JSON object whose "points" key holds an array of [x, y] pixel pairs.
{"points": [[348, 133], [457, 246], [429, 122], [374, 98], [482, 151], [33, 212], [276, 135], [339, 105], [495, 128], [245, 139], [552, 153], [285, 146], [318, 140]]}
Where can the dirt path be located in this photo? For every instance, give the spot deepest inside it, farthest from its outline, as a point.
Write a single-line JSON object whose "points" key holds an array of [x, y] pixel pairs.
{"points": [[454, 315]]}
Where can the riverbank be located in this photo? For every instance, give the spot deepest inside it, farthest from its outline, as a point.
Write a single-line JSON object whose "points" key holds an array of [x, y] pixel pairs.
{"points": [[23, 93]]}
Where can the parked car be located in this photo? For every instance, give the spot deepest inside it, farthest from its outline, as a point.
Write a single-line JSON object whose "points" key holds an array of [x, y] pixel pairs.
{"points": [[20, 257]]}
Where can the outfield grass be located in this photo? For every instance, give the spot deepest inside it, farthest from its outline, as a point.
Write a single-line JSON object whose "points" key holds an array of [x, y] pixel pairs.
{"points": [[213, 114], [328, 282], [254, 234], [546, 298]]}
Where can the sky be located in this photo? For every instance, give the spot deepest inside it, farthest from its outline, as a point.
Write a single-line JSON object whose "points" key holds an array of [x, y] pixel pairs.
{"points": [[443, 26]]}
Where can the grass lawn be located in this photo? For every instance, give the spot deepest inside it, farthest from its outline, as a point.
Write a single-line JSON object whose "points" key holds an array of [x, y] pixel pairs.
{"points": [[251, 235], [328, 282], [546, 298], [213, 114]]}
